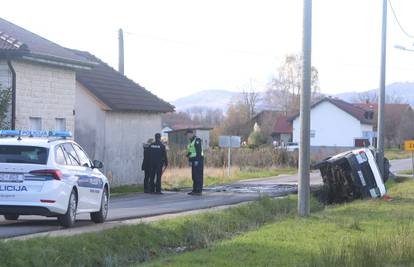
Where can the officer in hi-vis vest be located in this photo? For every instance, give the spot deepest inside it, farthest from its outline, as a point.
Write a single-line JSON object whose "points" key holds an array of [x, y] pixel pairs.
{"points": [[195, 157]]}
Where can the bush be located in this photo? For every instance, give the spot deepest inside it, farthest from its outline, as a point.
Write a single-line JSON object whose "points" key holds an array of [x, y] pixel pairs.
{"points": [[261, 157], [256, 139]]}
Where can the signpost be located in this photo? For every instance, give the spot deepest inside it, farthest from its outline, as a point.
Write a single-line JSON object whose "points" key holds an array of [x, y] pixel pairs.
{"points": [[409, 146], [227, 141]]}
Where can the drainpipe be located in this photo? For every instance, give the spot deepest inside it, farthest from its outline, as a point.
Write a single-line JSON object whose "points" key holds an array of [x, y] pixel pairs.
{"points": [[13, 119]]}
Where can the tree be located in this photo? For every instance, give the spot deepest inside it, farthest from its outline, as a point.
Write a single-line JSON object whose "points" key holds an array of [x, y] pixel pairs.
{"points": [[237, 116], [5, 106], [256, 138], [285, 86], [251, 98]]}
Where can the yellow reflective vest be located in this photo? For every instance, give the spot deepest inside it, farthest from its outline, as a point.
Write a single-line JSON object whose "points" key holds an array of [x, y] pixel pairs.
{"points": [[192, 153]]}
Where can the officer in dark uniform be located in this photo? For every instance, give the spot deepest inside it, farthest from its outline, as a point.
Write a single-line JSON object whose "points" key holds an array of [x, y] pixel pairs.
{"points": [[158, 164], [146, 165], [195, 157]]}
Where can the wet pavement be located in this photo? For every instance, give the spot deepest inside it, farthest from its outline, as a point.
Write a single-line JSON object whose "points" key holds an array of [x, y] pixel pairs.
{"points": [[271, 190]]}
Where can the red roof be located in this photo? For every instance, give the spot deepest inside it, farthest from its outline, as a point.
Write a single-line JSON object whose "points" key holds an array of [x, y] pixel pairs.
{"points": [[283, 125], [353, 110], [397, 108]]}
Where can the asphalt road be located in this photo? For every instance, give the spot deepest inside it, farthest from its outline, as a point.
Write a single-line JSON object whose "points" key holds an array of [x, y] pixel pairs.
{"points": [[144, 205], [400, 165]]}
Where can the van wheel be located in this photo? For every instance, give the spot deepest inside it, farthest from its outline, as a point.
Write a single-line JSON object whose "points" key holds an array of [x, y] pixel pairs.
{"points": [[69, 218], [11, 217], [100, 216]]}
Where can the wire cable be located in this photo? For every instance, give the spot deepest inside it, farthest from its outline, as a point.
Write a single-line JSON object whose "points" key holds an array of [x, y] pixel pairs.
{"points": [[398, 22]]}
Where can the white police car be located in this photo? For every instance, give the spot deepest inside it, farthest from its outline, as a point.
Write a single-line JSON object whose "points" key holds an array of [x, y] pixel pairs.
{"points": [[43, 173]]}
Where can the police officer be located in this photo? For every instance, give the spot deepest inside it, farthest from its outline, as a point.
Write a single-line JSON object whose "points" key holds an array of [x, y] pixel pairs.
{"points": [[146, 165], [158, 164], [195, 157]]}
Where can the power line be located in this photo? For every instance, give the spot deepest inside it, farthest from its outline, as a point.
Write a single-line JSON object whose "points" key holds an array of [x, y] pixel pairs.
{"points": [[398, 22], [198, 45]]}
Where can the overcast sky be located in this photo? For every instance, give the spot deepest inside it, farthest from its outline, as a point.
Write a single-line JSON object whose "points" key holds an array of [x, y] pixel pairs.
{"points": [[176, 48]]}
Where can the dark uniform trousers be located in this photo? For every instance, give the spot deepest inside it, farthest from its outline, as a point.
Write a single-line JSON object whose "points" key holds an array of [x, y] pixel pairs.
{"points": [[155, 181], [147, 178], [197, 169]]}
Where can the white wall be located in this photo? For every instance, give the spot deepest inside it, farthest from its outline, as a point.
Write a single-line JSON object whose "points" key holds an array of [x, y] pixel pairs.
{"points": [[125, 133], [44, 91], [332, 126], [90, 122], [115, 138]]}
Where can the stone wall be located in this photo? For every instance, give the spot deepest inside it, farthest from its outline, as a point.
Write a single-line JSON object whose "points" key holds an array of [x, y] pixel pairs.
{"points": [[46, 92]]}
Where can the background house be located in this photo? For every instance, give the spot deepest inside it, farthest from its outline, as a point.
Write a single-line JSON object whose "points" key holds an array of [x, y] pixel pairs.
{"points": [[177, 137], [282, 130], [398, 122], [41, 78], [55, 88], [336, 123], [114, 117]]}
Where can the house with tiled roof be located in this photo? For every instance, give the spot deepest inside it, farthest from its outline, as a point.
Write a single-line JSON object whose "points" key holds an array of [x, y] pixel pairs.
{"points": [[398, 121], [336, 123], [55, 88]]}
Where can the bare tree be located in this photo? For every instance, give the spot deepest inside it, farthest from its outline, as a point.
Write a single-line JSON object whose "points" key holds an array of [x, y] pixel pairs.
{"points": [[285, 87], [372, 97]]}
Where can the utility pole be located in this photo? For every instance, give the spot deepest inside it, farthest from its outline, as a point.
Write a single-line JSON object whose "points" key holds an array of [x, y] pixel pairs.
{"points": [[121, 51], [304, 145], [381, 99]]}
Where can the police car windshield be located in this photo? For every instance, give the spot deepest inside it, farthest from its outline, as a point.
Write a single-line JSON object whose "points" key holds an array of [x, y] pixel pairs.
{"points": [[23, 154]]}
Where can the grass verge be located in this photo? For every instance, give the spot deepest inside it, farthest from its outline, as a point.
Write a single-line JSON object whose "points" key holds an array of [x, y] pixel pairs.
{"points": [[361, 233], [407, 172], [138, 243], [126, 189], [181, 177], [395, 153]]}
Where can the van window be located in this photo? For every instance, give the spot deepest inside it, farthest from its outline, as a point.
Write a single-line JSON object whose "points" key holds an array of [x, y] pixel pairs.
{"points": [[70, 152], [60, 156], [84, 160], [23, 154]]}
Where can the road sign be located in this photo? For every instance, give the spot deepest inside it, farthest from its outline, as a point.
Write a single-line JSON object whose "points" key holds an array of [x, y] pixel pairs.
{"points": [[229, 141], [409, 145]]}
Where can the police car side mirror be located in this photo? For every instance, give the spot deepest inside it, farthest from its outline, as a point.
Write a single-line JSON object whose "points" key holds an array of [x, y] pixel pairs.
{"points": [[97, 164]]}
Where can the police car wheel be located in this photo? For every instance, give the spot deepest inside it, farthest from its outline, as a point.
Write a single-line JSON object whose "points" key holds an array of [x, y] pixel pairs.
{"points": [[11, 217], [69, 218], [100, 216]]}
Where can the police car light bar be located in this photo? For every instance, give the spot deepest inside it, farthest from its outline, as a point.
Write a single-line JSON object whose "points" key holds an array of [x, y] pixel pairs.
{"points": [[20, 133]]}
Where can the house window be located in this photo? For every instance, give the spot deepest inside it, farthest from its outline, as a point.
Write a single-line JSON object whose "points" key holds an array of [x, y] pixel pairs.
{"points": [[60, 124], [312, 133], [35, 123]]}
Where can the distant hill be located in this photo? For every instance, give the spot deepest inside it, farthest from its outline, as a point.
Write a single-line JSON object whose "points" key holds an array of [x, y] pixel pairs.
{"points": [[215, 99], [220, 99], [403, 90]]}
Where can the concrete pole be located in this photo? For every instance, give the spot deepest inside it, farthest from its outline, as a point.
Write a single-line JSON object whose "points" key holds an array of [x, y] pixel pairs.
{"points": [[381, 93], [305, 99], [121, 51]]}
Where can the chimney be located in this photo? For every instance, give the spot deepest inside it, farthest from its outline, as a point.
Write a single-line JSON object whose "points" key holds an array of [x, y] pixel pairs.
{"points": [[121, 51]]}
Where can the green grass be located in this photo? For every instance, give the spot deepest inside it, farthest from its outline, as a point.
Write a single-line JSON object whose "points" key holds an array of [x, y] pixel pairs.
{"points": [[406, 172], [127, 245], [362, 233], [181, 178], [126, 189], [395, 153]]}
